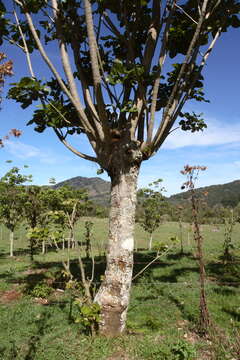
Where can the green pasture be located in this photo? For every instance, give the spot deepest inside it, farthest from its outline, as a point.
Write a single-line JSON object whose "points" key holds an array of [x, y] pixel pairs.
{"points": [[163, 312]]}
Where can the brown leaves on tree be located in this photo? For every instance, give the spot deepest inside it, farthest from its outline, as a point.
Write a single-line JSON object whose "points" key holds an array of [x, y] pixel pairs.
{"points": [[192, 174], [12, 132], [6, 69]]}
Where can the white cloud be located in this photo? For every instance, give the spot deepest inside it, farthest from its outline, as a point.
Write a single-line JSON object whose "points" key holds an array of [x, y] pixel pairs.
{"points": [[25, 151], [237, 163], [215, 134], [21, 150]]}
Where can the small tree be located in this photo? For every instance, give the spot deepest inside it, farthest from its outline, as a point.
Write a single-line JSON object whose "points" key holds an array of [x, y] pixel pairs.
{"points": [[43, 209], [12, 200], [153, 206], [229, 224], [33, 211], [192, 173], [75, 206], [88, 237], [179, 213]]}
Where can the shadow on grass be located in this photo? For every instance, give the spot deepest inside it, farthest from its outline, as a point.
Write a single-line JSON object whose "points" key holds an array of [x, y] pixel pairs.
{"points": [[35, 339], [225, 274], [142, 259], [176, 273], [233, 313], [52, 274], [31, 345], [26, 252], [180, 255], [180, 305], [225, 291]]}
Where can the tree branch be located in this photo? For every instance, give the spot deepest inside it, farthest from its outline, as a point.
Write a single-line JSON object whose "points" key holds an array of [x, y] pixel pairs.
{"points": [[67, 66], [177, 92], [95, 66], [162, 57], [153, 34], [71, 148], [180, 8], [25, 47], [80, 111], [188, 93]]}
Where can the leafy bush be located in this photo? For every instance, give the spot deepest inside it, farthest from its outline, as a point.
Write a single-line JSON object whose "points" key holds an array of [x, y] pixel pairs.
{"points": [[88, 315], [183, 350], [41, 290]]}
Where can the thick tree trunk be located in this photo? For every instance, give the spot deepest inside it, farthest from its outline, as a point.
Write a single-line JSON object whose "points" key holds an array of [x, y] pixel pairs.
{"points": [[114, 293], [11, 237]]}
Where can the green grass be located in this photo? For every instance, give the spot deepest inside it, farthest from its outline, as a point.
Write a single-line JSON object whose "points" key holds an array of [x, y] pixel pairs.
{"points": [[163, 313]]}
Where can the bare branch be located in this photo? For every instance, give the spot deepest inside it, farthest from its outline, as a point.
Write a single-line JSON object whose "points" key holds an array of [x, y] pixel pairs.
{"points": [[55, 72], [136, 116], [93, 268], [153, 34], [71, 148], [85, 282], [188, 93], [11, 41], [162, 58], [180, 8], [67, 67], [95, 66], [177, 92], [158, 256], [64, 54], [25, 47], [96, 123]]}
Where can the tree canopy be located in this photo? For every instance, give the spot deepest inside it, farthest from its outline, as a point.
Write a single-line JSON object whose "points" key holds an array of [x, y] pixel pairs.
{"points": [[131, 60]]}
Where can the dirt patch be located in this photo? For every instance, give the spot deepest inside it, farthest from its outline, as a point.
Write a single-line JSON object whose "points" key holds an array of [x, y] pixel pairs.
{"points": [[9, 296], [34, 271], [119, 355]]}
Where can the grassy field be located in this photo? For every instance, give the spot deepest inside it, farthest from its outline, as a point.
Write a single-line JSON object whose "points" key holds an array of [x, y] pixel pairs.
{"points": [[37, 316]]}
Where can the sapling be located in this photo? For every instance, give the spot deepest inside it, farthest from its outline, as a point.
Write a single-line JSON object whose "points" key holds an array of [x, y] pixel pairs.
{"points": [[88, 237], [179, 216], [12, 200], [33, 211], [229, 223], [88, 310], [192, 173], [153, 205]]}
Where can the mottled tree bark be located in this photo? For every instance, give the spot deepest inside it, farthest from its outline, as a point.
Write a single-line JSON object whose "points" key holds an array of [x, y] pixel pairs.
{"points": [[114, 293]]}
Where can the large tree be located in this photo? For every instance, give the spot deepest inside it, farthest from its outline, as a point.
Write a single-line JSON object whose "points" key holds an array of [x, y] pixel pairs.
{"points": [[128, 68]]}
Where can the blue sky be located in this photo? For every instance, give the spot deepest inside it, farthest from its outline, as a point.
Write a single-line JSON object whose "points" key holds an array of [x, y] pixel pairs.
{"points": [[218, 147]]}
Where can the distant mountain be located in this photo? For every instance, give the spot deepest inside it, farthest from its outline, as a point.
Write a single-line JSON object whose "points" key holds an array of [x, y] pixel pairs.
{"points": [[98, 189], [226, 194]]}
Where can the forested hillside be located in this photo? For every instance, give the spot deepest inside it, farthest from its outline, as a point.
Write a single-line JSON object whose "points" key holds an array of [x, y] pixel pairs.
{"points": [[225, 195], [98, 189]]}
